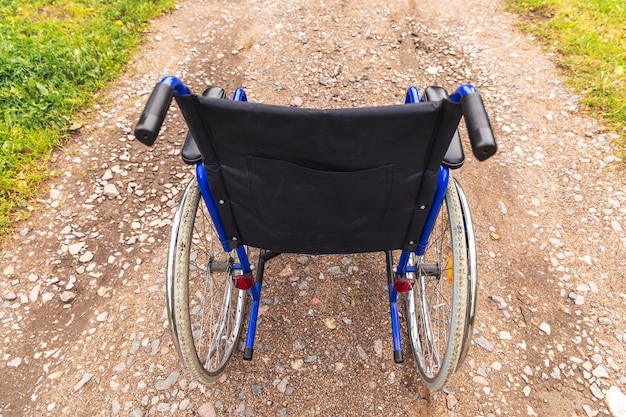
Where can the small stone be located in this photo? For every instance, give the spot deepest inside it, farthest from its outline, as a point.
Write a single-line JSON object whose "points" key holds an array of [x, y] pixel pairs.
{"points": [[75, 248], [361, 353], [499, 301], [616, 226], [34, 293], [484, 343], [616, 402], [588, 411], [578, 298], [256, 389], [286, 272], [184, 404], [451, 401], [282, 385], [335, 271], [480, 380], [297, 101], [545, 327], [10, 296], [600, 372], [330, 323], [86, 257], [166, 384], [115, 407], [110, 191], [15, 362], [84, 379], [378, 348], [67, 296], [596, 391], [526, 391], [102, 317], [108, 175], [206, 410], [297, 364]]}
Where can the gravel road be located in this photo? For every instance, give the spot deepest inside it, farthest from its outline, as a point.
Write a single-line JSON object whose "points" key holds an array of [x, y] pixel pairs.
{"points": [[82, 306]]}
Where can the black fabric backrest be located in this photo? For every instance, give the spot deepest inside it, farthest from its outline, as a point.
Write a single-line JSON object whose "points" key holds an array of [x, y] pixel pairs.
{"points": [[322, 181]]}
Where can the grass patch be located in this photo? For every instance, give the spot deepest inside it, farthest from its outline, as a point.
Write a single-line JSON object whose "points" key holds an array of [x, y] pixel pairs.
{"points": [[589, 37], [54, 56]]}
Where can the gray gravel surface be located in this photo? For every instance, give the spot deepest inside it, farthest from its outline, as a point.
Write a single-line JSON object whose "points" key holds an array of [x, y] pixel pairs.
{"points": [[82, 282]]}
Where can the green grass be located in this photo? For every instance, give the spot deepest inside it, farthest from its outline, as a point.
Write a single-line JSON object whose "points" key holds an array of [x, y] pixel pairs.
{"points": [[54, 56], [589, 37]]}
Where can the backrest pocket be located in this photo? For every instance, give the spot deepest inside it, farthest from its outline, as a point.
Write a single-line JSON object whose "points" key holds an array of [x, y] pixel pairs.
{"points": [[297, 199]]}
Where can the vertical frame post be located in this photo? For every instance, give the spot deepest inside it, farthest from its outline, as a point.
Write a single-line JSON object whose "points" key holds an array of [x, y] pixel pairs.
{"points": [[440, 194], [393, 311]]}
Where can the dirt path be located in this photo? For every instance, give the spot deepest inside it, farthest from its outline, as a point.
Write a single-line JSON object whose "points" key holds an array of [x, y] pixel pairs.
{"points": [[82, 284]]}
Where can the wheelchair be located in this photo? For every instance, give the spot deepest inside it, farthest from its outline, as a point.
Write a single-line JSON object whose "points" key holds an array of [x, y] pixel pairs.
{"points": [[276, 179]]}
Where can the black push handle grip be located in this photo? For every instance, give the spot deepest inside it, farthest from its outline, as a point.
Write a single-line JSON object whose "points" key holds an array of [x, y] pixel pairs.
{"points": [[154, 113], [478, 127]]}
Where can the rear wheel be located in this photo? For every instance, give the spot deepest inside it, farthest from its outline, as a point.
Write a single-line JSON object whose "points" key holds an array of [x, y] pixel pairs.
{"points": [[437, 306], [205, 309]]}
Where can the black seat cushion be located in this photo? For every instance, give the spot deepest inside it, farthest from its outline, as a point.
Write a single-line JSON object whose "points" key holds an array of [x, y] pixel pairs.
{"points": [[322, 181]]}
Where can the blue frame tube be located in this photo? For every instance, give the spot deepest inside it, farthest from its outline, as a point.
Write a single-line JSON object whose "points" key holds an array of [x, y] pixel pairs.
{"points": [[203, 183], [176, 84], [255, 293], [240, 95], [412, 96], [440, 194], [395, 319], [403, 266], [462, 91]]}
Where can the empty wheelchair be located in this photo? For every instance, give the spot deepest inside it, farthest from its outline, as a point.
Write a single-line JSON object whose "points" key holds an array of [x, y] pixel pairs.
{"points": [[272, 179]]}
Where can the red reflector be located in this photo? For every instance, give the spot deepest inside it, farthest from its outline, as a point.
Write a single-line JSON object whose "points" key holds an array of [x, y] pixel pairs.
{"points": [[403, 285], [243, 282]]}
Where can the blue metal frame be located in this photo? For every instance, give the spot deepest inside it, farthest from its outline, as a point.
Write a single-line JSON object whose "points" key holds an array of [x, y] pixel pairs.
{"points": [[412, 96], [176, 84], [395, 319], [462, 91], [240, 95], [440, 194]]}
